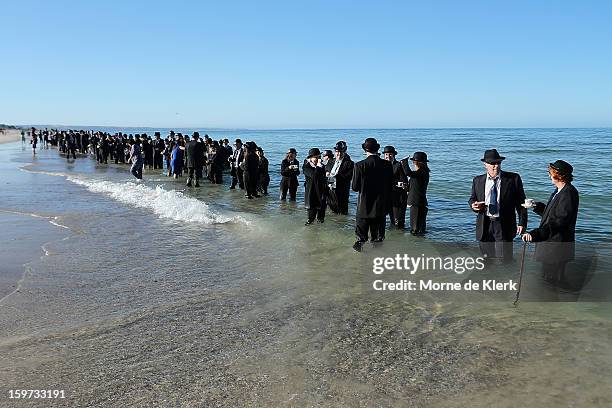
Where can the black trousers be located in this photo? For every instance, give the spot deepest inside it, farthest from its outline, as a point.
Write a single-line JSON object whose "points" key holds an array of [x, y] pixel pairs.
{"points": [[318, 213], [418, 218], [338, 200], [73, 150], [158, 161], [288, 185], [237, 178], [398, 216], [374, 227], [197, 171], [492, 244]]}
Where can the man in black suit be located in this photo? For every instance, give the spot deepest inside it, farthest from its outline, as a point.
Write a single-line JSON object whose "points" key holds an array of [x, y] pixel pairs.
{"points": [[556, 234], [372, 179], [339, 179], [496, 197], [236, 170], [195, 159], [158, 151]]}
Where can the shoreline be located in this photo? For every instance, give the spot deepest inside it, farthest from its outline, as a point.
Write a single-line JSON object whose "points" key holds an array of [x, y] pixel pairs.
{"points": [[11, 136]]}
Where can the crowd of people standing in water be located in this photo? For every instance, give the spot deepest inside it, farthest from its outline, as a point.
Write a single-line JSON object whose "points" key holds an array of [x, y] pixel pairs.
{"points": [[385, 186]]}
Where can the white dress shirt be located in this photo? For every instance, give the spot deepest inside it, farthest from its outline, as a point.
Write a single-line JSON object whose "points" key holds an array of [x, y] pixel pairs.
{"points": [[488, 186]]}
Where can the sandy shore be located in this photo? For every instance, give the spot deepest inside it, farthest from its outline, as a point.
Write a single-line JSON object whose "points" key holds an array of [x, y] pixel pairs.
{"points": [[10, 135]]}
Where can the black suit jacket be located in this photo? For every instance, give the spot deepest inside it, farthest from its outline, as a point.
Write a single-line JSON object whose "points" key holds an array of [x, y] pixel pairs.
{"points": [[511, 197], [419, 180], [557, 231], [372, 179], [195, 154]]}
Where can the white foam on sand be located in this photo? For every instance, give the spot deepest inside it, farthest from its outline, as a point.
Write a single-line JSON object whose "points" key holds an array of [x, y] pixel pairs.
{"points": [[166, 204]]}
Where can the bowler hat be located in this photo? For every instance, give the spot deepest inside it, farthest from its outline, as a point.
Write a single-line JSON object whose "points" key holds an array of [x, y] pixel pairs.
{"points": [[390, 149], [292, 150], [328, 153], [491, 156], [340, 146], [238, 141], [370, 145], [562, 167], [313, 152], [196, 134], [419, 157], [157, 134]]}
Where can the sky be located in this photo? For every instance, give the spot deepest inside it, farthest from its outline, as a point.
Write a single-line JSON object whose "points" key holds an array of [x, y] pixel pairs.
{"points": [[307, 64]]}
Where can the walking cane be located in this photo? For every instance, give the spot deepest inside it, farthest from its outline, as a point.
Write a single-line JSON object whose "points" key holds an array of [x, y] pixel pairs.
{"points": [[518, 292]]}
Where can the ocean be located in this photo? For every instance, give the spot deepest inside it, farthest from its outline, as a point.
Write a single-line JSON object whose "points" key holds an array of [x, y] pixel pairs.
{"points": [[151, 293]]}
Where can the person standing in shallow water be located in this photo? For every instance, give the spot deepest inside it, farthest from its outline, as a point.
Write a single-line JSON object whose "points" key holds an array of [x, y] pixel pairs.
{"points": [[315, 187], [264, 176], [250, 170], [136, 159], [417, 196], [555, 237], [290, 170], [372, 179], [339, 179], [399, 196]]}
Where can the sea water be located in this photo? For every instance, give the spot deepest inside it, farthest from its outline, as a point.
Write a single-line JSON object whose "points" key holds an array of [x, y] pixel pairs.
{"points": [[159, 292]]}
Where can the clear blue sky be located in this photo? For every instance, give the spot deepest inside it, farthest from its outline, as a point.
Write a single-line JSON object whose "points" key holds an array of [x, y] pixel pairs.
{"points": [[311, 64]]}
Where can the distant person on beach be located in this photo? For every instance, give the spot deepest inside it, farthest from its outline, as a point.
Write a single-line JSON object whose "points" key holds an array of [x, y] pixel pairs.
{"points": [[372, 179], [315, 191], [417, 193], [33, 141], [71, 146], [194, 150], [235, 160], [136, 159], [497, 197], [23, 138], [264, 175], [556, 235], [339, 179], [158, 152], [250, 170], [290, 170], [177, 157], [399, 195]]}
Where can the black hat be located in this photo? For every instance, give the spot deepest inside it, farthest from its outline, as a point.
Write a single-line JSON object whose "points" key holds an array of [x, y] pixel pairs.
{"points": [[250, 145], [340, 146], [158, 134], [390, 149], [196, 134], [370, 145], [259, 149], [238, 141], [491, 156], [419, 157], [292, 150], [328, 153], [562, 167], [313, 152]]}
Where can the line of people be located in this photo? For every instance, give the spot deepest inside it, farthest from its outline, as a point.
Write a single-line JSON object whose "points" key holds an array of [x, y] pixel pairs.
{"points": [[385, 186]]}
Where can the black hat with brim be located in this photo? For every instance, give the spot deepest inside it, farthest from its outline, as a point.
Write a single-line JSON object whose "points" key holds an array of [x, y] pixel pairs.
{"points": [[370, 145], [313, 152], [491, 156], [419, 157], [390, 149], [562, 167], [292, 150], [328, 153]]}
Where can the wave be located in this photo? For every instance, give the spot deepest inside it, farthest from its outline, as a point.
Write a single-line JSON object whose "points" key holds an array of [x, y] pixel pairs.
{"points": [[172, 205]]}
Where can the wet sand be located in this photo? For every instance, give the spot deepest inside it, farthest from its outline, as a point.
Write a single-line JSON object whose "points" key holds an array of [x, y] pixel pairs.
{"points": [[10, 136]]}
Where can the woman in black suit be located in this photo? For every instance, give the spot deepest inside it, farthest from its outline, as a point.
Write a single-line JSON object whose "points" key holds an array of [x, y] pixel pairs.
{"points": [[556, 234], [417, 193]]}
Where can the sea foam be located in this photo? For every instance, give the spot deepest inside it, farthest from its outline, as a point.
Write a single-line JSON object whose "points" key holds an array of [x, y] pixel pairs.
{"points": [[166, 204]]}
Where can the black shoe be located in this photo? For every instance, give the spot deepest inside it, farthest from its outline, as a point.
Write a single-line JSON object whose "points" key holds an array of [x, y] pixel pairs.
{"points": [[321, 221], [197, 184], [249, 197], [232, 187], [309, 222], [188, 182], [357, 246]]}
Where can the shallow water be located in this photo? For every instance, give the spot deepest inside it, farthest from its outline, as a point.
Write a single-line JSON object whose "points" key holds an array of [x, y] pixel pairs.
{"points": [[158, 295]]}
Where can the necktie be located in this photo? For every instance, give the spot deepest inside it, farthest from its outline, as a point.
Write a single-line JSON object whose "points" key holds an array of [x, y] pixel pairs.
{"points": [[493, 203]]}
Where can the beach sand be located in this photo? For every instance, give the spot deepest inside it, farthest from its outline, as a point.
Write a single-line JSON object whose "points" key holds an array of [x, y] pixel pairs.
{"points": [[10, 135]]}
